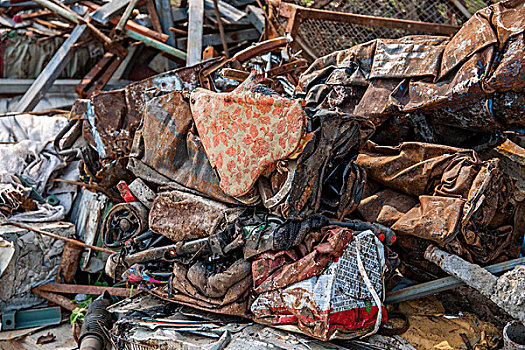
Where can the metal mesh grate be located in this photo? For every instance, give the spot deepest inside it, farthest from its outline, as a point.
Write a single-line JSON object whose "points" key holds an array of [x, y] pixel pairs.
{"points": [[325, 37]]}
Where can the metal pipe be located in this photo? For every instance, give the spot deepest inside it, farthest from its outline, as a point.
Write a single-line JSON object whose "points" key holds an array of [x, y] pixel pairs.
{"points": [[501, 291], [125, 16], [156, 44], [65, 239], [440, 285]]}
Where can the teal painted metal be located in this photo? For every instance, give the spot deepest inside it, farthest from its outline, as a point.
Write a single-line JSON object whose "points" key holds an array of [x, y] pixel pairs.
{"points": [[156, 44], [31, 318]]}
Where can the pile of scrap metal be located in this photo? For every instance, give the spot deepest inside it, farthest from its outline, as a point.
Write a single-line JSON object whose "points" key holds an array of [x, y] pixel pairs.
{"points": [[93, 45], [256, 186], [293, 202]]}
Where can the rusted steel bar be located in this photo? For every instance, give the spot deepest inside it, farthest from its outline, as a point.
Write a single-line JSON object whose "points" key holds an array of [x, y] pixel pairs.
{"points": [[260, 48], [296, 13], [242, 56], [65, 239], [125, 16], [131, 25], [55, 298], [86, 83], [153, 15], [248, 53], [85, 289], [299, 64], [73, 17], [221, 29], [69, 263], [235, 74]]}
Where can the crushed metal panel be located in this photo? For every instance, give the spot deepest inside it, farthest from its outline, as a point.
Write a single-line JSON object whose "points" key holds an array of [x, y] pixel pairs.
{"points": [[36, 259], [407, 57], [464, 204], [181, 79], [179, 216], [167, 143], [462, 82]]}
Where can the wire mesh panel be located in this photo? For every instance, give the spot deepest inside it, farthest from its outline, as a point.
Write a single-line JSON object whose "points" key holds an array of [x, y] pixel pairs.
{"points": [[326, 36]]}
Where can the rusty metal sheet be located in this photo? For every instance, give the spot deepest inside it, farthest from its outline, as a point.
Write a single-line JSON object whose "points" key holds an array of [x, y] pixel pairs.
{"points": [[386, 206], [475, 35], [182, 216], [167, 143], [407, 57], [508, 19], [463, 203], [509, 74], [318, 250], [465, 85], [181, 79], [432, 75], [233, 301], [113, 116]]}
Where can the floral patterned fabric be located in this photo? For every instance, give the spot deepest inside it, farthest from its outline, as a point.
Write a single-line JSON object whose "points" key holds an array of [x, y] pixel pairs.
{"points": [[246, 131]]}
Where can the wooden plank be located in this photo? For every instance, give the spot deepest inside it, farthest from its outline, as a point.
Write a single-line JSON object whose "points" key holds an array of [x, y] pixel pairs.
{"points": [[53, 69], [104, 13], [256, 17], [231, 38], [179, 14], [194, 42], [228, 12]]}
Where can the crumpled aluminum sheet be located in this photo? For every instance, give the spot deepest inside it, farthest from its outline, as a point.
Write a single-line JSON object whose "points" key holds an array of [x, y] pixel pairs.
{"points": [[387, 77]]}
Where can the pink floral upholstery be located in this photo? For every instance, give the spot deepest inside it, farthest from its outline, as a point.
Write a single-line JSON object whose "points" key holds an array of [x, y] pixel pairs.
{"points": [[246, 131]]}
